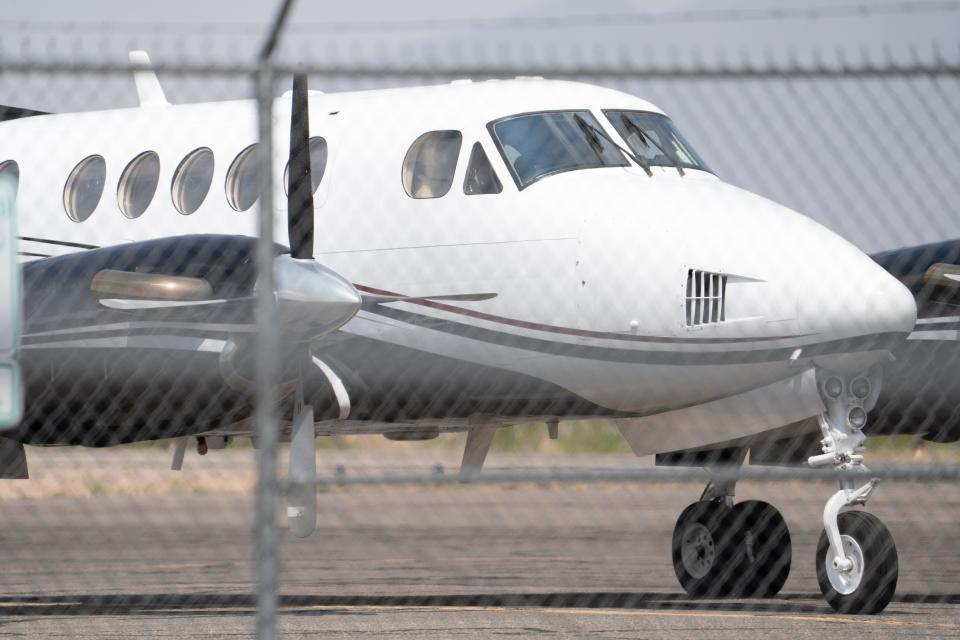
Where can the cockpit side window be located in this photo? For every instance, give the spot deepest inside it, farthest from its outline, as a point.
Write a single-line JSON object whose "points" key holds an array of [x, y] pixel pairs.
{"points": [[535, 145], [655, 139], [430, 163], [480, 177]]}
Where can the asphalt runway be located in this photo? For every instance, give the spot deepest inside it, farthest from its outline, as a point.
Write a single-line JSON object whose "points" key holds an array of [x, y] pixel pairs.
{"points": [[565, 561]]}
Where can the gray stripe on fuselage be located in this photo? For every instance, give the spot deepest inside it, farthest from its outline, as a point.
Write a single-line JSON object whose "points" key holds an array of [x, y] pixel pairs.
{"points": [[876, 342]]}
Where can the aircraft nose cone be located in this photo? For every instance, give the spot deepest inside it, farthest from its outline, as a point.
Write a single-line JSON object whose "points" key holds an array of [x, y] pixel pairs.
{"points": [[894, 305], [865, 300], [851, 298]]}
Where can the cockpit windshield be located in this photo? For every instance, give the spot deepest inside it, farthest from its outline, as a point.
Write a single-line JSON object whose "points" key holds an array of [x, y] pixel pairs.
{"points": [[535, 145], [654, 139]]}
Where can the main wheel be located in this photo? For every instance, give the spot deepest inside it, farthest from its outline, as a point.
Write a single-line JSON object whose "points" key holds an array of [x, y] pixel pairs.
{"points": [[869, 586], [704, 557], [763, 549]]}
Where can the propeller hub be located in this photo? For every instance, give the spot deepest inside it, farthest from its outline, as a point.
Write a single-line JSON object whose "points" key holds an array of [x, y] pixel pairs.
{"points": [[312, 300]]}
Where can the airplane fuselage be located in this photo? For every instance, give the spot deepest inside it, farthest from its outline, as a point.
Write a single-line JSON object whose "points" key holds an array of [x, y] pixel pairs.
{"points": [[618, 293]]}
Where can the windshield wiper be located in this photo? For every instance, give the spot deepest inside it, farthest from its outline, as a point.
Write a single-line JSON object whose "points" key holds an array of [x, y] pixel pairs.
{"points": [[592, 138], [647, 139], [593, 133]]}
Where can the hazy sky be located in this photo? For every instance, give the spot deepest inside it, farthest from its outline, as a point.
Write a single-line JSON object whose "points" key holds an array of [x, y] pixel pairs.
{"points": [[677, 29], [873, 159]]}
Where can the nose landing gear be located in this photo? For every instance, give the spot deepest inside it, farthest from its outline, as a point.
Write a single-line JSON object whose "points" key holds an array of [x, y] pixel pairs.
{"points": [[869, 582], [857, 566]]}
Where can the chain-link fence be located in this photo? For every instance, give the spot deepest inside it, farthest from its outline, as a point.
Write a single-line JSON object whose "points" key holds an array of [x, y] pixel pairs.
{"points": [[546, 267]]}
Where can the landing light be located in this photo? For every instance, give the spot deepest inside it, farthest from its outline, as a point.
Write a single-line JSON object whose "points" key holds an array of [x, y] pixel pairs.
{"points": [[857, 418], [833, 387], [860, 387]]}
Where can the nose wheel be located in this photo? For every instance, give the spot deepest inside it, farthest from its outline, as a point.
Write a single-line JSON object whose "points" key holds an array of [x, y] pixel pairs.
{"points": [[857, 562], [866, 582], [742, 551]]}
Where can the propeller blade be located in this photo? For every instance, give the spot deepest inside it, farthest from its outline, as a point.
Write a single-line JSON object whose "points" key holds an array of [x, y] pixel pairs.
{"points": [[300, 185]]}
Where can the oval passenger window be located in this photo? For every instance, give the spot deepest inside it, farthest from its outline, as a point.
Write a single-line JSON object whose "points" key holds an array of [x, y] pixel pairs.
{"points": [[138, 184], [191, 180], [81, 193], [243, 179], [318, 164], [11, 169]]}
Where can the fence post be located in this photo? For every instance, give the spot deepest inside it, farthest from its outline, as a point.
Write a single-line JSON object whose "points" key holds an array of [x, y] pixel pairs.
{"points": [[267, 423]]}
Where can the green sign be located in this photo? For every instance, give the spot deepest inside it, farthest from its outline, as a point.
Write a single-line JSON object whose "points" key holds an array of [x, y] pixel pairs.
{"points": [[11, 393]]}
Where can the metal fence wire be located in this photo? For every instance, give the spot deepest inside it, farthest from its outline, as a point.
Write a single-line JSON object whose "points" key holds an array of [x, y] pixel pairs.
{"points": [[343, 299]]}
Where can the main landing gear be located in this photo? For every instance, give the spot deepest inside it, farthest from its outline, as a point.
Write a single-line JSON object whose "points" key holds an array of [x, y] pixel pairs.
{"points": [[721, 549], [738, 550]]}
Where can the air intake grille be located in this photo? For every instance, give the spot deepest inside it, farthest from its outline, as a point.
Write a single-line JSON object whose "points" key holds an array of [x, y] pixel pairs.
{"points": [[705, 297]]}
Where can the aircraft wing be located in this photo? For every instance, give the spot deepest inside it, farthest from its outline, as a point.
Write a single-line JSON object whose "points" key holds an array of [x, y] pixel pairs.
{"points": [[921, 387], [931, 272]]}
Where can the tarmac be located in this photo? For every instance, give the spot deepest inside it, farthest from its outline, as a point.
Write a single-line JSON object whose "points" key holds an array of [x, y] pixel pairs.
{"points": [[132, 558]]}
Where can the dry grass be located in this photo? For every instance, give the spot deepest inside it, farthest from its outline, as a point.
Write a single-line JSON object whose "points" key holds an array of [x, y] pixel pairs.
{"points": [[136, 470], [78, 472]]}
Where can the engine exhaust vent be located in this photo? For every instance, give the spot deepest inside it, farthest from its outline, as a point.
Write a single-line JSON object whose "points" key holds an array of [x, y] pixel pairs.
{"points": [[706, 292]]}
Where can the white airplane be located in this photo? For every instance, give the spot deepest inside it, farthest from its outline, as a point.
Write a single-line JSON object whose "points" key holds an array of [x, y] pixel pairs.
{"points": [[473, 255]]}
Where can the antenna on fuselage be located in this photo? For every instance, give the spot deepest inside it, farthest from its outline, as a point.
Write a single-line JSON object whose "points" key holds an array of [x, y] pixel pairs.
{"points": [[148, 85]]}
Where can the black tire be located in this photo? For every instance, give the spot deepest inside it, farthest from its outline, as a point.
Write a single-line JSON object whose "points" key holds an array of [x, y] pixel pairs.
{"points": [[878, 580], [703, 535], [763, 551]]}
